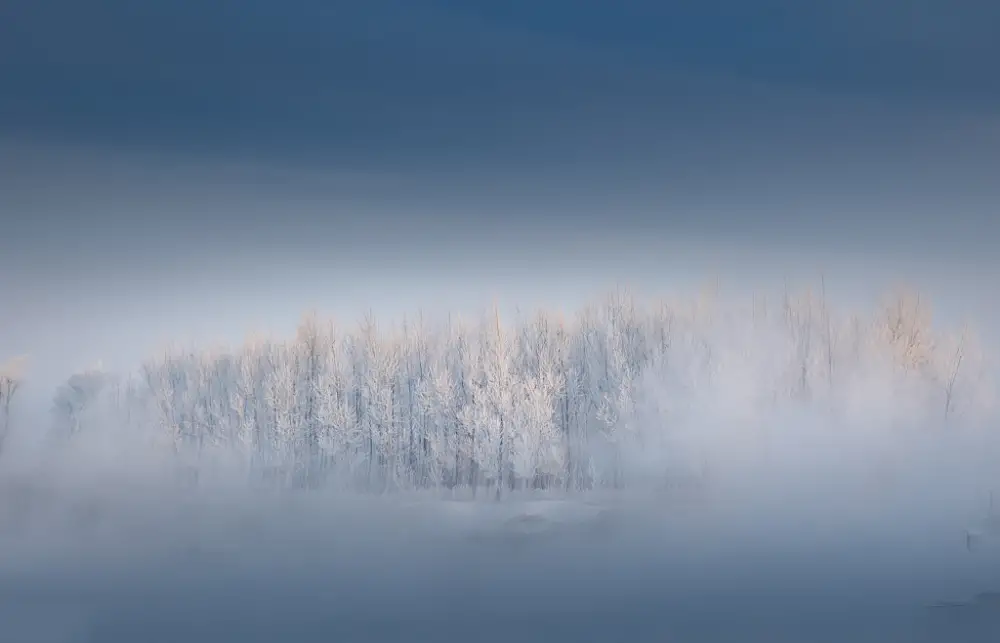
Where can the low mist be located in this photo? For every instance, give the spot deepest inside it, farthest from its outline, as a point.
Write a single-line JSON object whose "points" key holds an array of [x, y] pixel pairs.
{"points": [[723, 469]]}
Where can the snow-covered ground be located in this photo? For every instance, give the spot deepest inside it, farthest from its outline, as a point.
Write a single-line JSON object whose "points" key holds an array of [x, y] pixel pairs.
{"points": [[81, 565]]}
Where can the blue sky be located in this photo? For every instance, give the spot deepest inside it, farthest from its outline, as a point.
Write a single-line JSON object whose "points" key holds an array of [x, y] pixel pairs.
{"points": [[200, 168]]}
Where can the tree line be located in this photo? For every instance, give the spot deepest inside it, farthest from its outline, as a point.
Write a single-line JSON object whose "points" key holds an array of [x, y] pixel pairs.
{"points": [[538, 401]]}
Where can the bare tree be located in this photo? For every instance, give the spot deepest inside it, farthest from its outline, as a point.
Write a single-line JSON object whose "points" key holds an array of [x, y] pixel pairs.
{"points": [[10, 382], [539, 401], [949, 391], [961, 371]]}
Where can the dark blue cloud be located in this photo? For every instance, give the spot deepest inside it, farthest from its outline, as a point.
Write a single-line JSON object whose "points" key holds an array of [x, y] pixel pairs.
{"points": [[893, 46], [443, 81]]}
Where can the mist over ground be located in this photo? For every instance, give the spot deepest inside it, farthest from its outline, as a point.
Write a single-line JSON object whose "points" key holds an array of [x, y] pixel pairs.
{"points": [[723, 468]]}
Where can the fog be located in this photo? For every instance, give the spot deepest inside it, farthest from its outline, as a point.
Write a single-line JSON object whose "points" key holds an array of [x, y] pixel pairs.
{"points": [[858, 517], [711, 469], [769, 553]]}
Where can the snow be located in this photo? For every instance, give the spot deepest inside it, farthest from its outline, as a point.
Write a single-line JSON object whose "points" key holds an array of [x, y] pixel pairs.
{"points": [[225, 566]]}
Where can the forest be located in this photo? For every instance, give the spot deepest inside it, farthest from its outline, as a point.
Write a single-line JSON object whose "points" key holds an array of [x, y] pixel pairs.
{"points": [[592, 400]]}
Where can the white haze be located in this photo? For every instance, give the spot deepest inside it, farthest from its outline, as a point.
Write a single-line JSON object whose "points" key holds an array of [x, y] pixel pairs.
{"points": [[838, 517]]}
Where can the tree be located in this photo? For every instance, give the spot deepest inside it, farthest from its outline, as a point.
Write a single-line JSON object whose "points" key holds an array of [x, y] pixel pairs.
{"points": [[960, 371], [74, 398], [906, 330], [10, 382]]}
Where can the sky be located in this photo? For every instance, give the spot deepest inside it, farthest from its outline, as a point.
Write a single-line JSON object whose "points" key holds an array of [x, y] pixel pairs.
{"points": [[195, 170]]}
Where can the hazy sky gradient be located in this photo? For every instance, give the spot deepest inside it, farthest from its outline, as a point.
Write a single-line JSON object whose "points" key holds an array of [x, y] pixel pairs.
{"points": [[197, 169]]}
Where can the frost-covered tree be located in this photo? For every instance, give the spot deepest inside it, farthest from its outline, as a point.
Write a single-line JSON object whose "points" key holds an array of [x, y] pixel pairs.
{"points": [[11, 374], [542, 400], [959, 372]]}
